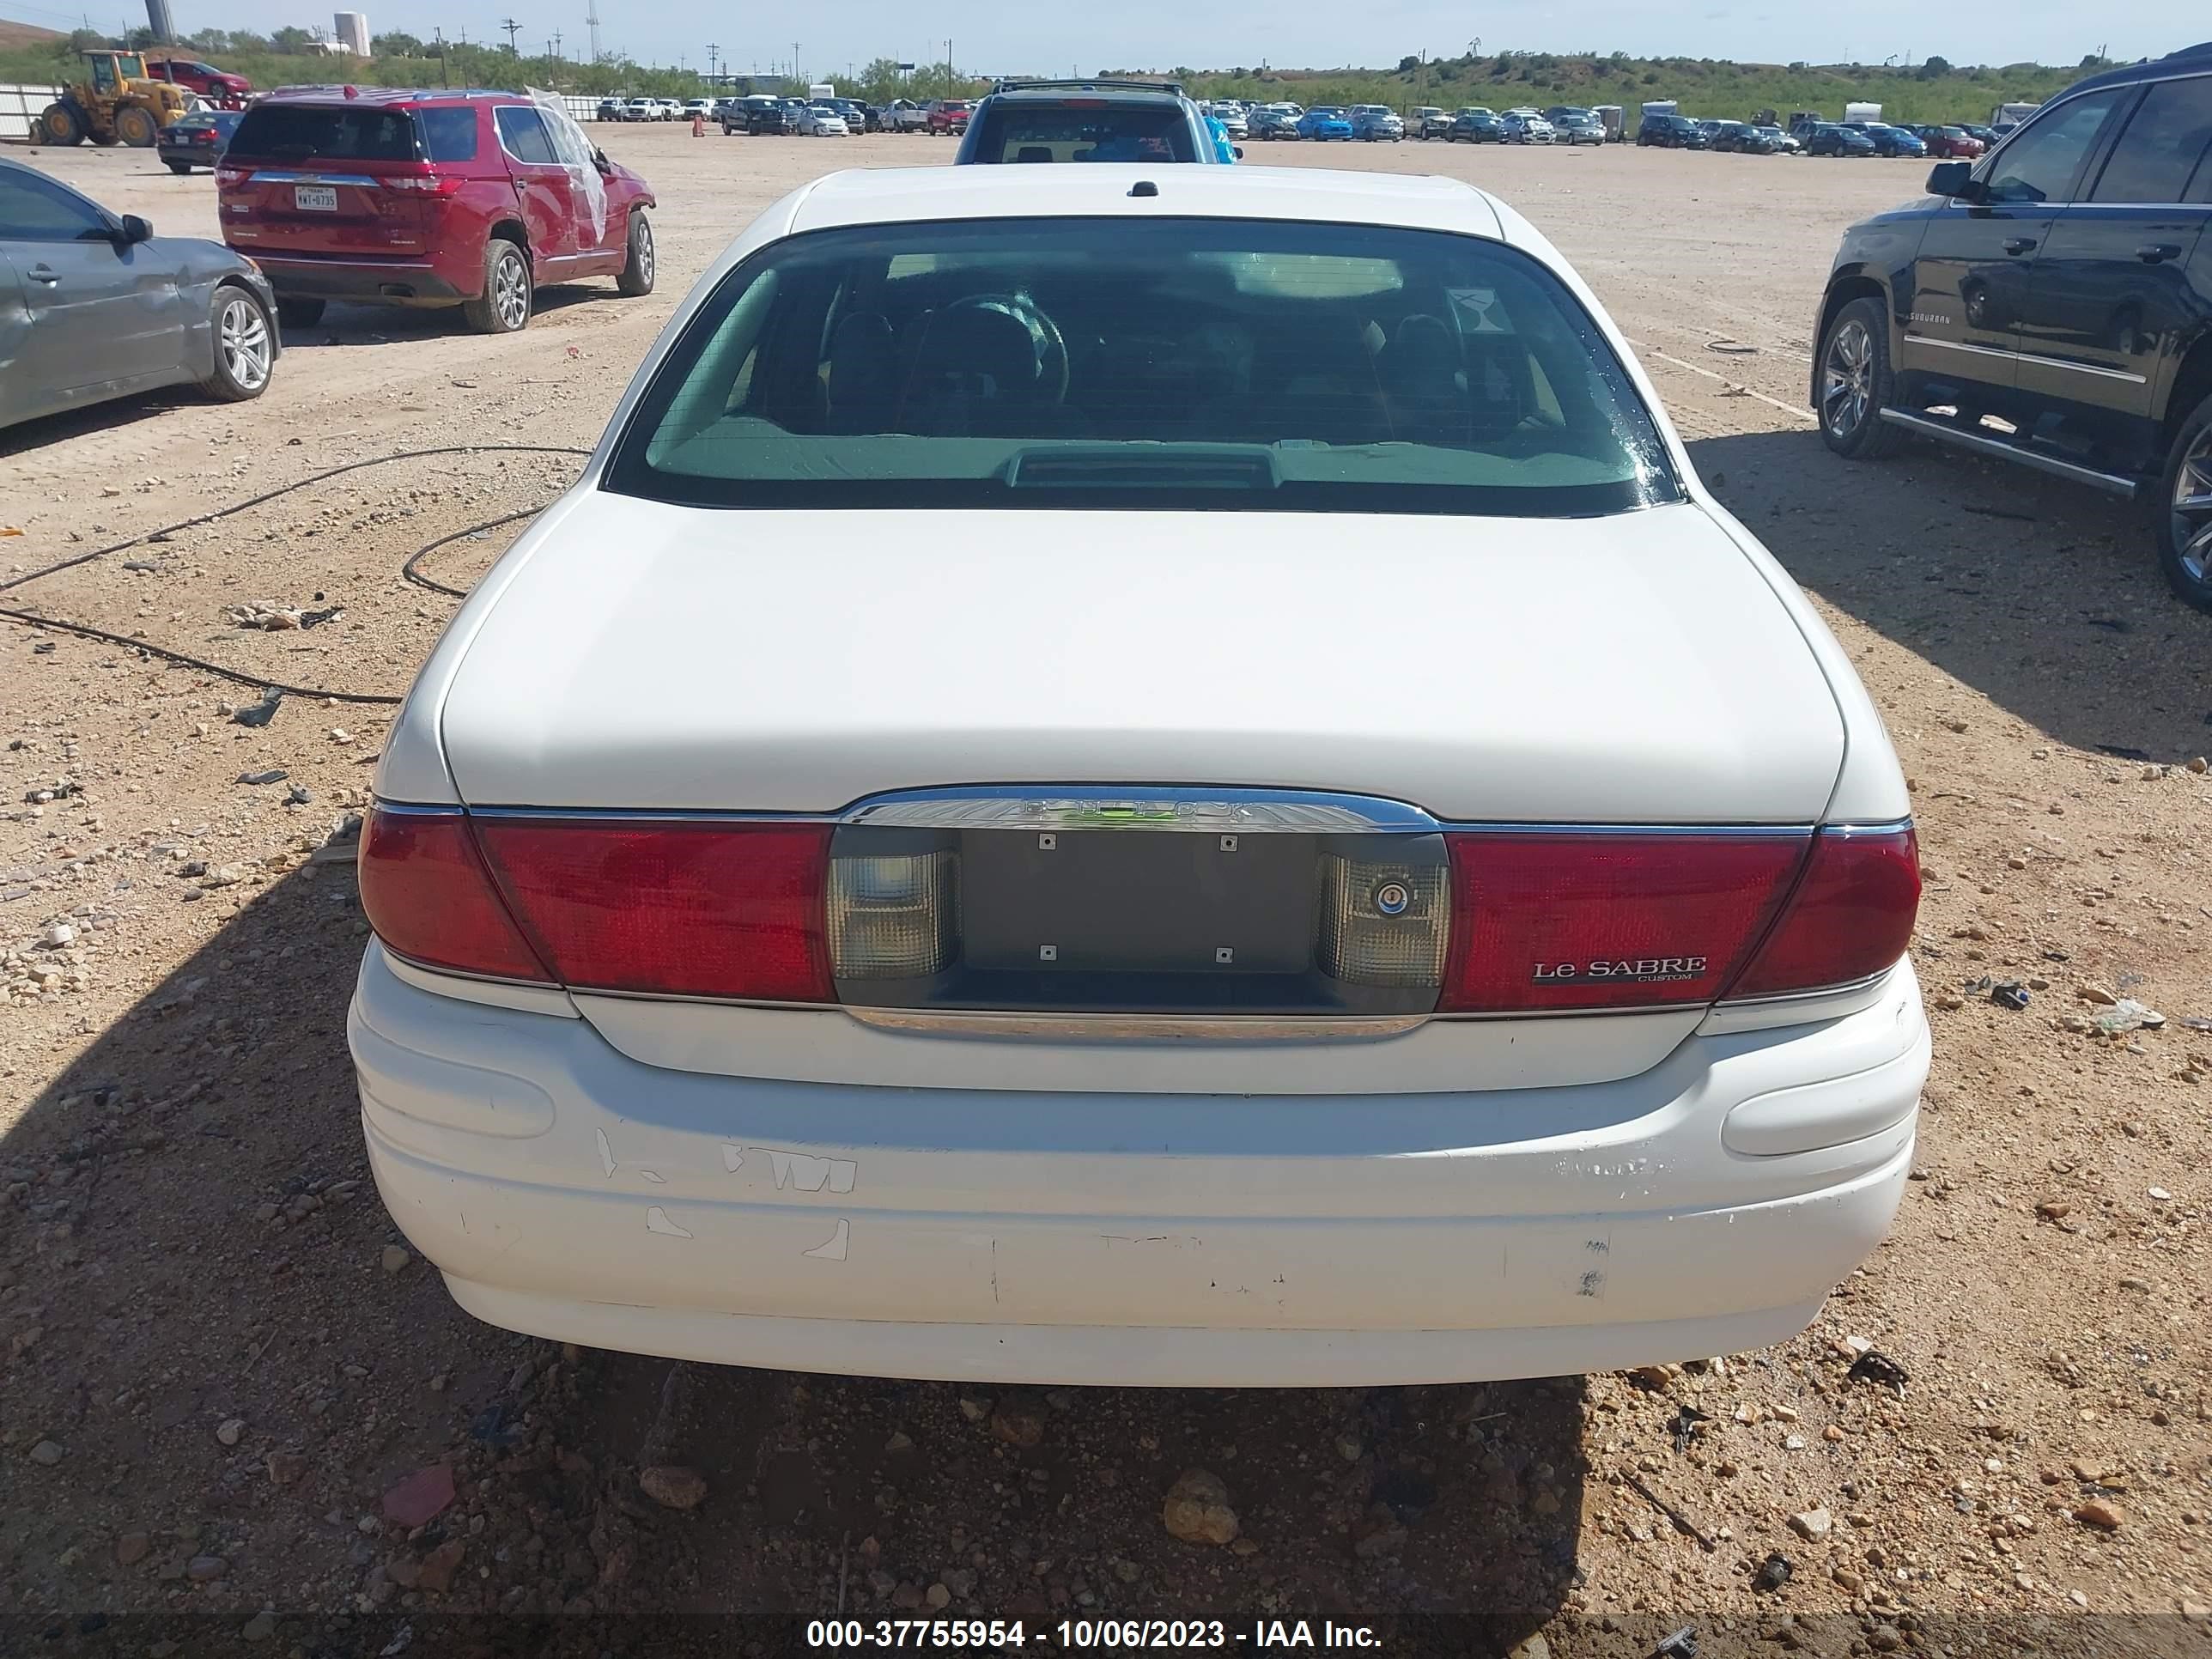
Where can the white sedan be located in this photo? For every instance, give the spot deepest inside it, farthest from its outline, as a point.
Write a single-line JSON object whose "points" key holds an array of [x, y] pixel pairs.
{"points": [[820, 121], [1050, 940]]}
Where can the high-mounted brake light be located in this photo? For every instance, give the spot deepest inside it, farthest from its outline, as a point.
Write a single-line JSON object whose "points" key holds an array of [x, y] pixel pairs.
{"points": [[426, 892]]}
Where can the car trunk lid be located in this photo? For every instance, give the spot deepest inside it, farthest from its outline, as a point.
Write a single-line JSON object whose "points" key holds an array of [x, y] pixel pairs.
{"points": [[1629, 668]]}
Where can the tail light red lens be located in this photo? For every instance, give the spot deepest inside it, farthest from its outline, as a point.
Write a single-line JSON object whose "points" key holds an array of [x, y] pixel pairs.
{"points": [[424, 183], [681, 909], [1583, 921], [1851, 916], [427, 894]]}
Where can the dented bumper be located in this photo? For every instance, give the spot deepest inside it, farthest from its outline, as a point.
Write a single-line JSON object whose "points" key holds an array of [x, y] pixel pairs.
{"points": [[1705, 1206]]}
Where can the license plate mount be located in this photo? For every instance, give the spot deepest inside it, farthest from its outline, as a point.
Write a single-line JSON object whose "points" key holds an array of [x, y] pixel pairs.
{"points": [[315, 198]]}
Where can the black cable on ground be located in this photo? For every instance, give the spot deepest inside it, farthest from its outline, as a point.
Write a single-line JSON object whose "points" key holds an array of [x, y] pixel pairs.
{"points": [[408, 569], [31, 620], [423, 552], [285, 489]]}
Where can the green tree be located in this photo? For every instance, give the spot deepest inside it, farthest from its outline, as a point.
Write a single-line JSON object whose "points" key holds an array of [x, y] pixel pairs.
{"points": [[398, 44], [289, 39], [1935, 68]]}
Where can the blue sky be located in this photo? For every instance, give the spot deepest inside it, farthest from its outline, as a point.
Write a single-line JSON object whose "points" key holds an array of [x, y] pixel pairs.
{"points": [[990, 36]]}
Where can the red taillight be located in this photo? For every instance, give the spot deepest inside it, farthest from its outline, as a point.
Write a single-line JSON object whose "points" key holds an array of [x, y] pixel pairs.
{"points": [[1570, 921], [427, 182], [1851, 916], [680, 909], [427, 894], [229, 177]]}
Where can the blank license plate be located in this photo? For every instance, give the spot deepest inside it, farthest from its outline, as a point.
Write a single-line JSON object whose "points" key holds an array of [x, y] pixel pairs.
{"points": [[315, 198]]}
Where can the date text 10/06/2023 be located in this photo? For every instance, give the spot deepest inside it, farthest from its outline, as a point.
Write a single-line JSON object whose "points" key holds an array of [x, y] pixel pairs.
{"points": [[1079, 1634]]}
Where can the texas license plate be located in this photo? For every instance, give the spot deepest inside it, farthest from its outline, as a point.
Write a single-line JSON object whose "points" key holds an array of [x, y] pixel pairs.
{"points": [[315, 198]]}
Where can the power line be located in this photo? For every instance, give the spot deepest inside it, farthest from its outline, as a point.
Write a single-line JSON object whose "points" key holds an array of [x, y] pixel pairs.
{"points": [[512, 29]]}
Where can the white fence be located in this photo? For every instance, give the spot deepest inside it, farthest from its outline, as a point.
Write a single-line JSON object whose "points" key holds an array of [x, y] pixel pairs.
{"points": [[19, 108]]}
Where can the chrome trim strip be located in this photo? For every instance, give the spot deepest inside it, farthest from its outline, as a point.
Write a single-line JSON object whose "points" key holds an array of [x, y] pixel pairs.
{"points": [[2027, 358], [1990, 446], [1083, 807], [1846, 988], [278, 176]]}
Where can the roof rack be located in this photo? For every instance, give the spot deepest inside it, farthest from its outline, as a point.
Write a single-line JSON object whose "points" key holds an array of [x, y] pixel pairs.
{"points": [[1024, 84]]}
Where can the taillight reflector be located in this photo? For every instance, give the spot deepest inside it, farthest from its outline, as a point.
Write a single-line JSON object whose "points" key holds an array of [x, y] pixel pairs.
{"points": [[1570, 921], [680, 909], [427, 894], [1850, 917], [425, 183]]}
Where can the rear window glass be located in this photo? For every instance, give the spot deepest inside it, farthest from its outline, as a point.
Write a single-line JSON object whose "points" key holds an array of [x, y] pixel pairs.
{"points": [[1057, 132], [1143, 363], [449, 133], [333, 133]]}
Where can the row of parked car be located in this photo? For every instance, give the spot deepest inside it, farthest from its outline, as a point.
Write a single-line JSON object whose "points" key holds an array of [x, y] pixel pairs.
{"points": [[772, 113], [1471, 123], [1811, 136]]}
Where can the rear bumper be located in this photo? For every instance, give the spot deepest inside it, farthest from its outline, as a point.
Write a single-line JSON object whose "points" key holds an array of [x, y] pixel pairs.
{"points": [[567, 1191], [372, 282]]}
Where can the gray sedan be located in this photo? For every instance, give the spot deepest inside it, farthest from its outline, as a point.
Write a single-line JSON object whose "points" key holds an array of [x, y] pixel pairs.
{"points": [[93, 306]]}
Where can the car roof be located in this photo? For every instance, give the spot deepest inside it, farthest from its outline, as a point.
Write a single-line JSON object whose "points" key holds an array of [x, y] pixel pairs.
{"points": [[389, 95], [1090, 93], [899, 195]]}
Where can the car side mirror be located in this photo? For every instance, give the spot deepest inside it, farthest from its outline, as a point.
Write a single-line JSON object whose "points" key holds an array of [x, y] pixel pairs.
{"points": [[134, 230], [1237, 150], [1954, 179], [599, 160]]}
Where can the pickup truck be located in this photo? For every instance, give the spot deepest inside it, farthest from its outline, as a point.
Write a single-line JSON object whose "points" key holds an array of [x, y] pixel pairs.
{"points": [[902, 115]]}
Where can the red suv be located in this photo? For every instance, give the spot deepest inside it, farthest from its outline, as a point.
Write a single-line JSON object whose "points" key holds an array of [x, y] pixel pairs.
{"points": [[949, 116], [427, 199], [216, 86]]}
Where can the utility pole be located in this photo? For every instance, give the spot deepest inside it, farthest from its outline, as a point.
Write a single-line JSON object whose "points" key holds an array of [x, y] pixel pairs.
{"points": [[554, 69], [512, 29], [714, 60], [444, 79], [592, 23], [794, 63]]}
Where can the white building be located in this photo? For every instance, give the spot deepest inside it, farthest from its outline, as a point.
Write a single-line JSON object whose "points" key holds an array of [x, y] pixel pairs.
{"points": [[352, 30]]}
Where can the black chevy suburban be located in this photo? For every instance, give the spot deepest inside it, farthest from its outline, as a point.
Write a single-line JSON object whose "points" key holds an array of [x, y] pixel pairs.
{"points": [[2051, 304]]}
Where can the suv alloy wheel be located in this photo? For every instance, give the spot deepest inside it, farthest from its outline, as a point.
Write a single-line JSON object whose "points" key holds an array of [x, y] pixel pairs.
{"points": [[1855, 382], [2184, 527]]}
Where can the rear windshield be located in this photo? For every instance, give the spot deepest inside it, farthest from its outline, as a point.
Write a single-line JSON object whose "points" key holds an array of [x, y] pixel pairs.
{"points": [[326, 133], [1094, 132], [1141, 363]]}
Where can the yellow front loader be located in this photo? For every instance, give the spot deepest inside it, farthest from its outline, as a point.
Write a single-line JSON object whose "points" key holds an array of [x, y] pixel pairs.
{"points": [[115, 103]]}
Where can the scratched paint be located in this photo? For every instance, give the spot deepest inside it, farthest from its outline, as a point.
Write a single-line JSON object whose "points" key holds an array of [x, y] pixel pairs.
{"points": [[834, 1249], [734, 1159], [657, 1221], [606, 1153], [811, 1175]]}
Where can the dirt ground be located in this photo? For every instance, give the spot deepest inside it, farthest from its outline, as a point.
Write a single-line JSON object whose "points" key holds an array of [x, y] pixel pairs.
{"points": [[224, 1387]]}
